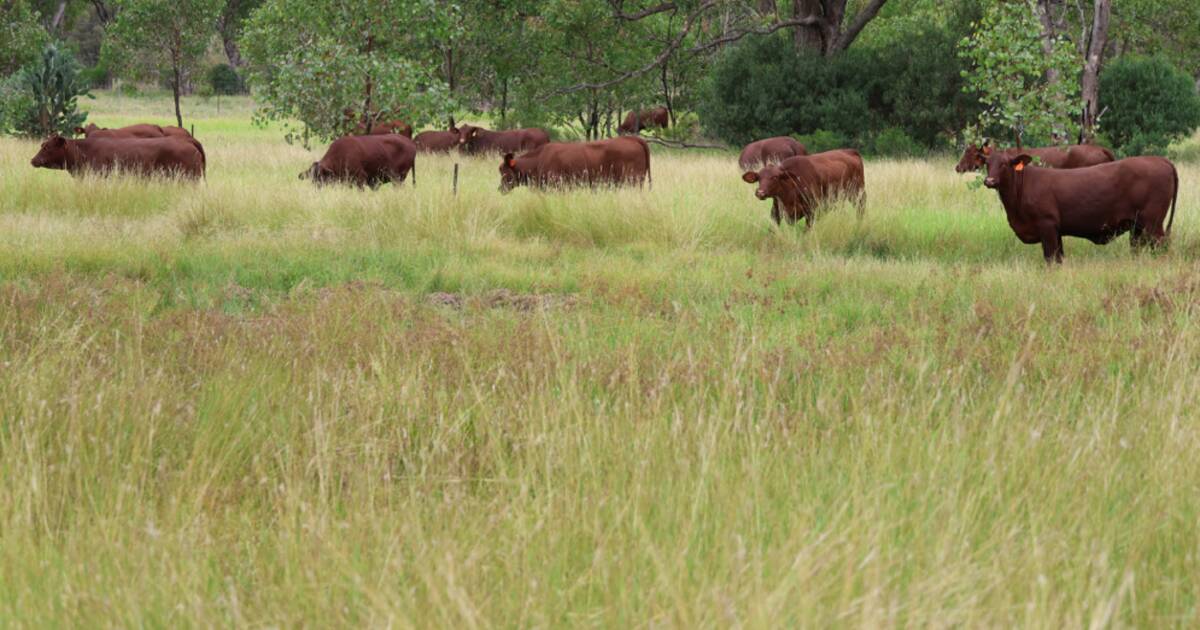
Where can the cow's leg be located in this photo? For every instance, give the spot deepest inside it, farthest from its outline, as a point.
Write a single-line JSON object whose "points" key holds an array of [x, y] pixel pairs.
{"points": [[775, 211], [1052, 248], [809, 219], [861, 202]]}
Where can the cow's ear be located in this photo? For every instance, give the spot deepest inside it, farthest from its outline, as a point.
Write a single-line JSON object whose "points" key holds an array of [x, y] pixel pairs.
{"points": [[58, 141], [750, 177], [987, 150], [1020, 162], [509, 160]]}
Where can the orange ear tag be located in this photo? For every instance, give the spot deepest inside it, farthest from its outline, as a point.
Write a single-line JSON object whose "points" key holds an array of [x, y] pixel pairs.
{"points": [[512, 164], [1019, 167]]}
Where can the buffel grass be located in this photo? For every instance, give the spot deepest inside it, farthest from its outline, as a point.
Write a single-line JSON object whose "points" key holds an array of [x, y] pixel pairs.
{"points": [[249, 402]]}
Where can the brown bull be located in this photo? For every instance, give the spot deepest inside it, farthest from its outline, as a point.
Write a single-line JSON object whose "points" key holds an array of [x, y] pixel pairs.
{"points": [[618, 161], [437, 141], [476, 140], [132, 131], [636, 121], [142, 156], [1098, 203], [798, 184], [760, 153], [1074, 156], [365, 161]]}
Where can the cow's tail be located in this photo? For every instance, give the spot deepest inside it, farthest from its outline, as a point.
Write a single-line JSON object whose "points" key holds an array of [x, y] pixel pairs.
{"points": [[649, 174], [413, 172], [203, 157], [1174, 199]]}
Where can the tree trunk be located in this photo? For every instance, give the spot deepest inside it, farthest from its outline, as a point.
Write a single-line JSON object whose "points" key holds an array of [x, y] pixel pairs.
{"points": [[59, 16], [1090, 83], [504, 103], [234, 55], [176, 86], [1045, 14], [666, 87], [808, 38]]}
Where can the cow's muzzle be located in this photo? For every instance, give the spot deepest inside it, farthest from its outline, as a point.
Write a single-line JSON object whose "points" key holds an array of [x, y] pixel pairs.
{"points": [[760, 194], [990, 182]]}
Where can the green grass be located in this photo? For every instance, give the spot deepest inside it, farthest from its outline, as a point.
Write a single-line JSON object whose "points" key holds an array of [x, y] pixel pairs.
{"points": [[235, 403]]}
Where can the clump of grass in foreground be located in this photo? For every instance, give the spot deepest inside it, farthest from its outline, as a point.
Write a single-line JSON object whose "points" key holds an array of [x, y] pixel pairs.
{"points": [[234, 403]]}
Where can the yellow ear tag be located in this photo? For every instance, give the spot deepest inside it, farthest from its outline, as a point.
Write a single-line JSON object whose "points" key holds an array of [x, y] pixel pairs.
{"points": [[1019, 167]]}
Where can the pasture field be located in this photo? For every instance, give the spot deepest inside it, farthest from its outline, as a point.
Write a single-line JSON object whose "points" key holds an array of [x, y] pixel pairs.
{"points": [[250, 402]]}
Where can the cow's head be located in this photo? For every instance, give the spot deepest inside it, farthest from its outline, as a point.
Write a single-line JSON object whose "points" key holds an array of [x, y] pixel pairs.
{"points": [[53, 153], [1004, 166], [974, 158], [510, 176], [317, 173], [466, 134], [770, 180]]}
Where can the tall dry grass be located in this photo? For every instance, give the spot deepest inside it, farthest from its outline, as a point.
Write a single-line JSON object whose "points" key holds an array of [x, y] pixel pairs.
{"points": [[236, 403]]}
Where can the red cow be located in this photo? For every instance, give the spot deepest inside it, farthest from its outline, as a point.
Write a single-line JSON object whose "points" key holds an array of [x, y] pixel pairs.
{"points": [[799, 183], [475, 140], [365, 161], [605, 162], [1074, 156], [143, 156], [1098, 203]]}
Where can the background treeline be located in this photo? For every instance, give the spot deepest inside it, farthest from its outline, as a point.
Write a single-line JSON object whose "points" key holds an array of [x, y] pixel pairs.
{"points": [[893, 77]]}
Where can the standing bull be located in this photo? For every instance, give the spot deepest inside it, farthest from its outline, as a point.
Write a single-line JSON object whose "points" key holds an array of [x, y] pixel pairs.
{"points": [[1098, 203]]}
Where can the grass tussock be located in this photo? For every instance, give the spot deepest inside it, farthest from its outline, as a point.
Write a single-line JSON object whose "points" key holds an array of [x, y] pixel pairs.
{"points": [[253, 402]]}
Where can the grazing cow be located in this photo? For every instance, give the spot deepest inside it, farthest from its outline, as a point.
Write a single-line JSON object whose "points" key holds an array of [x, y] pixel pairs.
{"points": [[605, 162], [760, 153], [143, 156], [636, 121], [365, 161], [799, 183], [1098, 203], [476, 140], [132, 131], [437, 141], [1074, 156]]}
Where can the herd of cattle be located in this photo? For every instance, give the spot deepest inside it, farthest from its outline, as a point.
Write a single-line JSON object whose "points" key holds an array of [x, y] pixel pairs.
{"points": [[1081, 190]]}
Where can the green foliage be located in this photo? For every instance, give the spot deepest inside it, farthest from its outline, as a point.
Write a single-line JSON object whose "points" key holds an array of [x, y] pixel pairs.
{"points": [[1008, 73], [893, 142], [21, 37], [752, 94], [225, 80], [310, 62], [906, 76], [163, 39], [1149, 104], [43, 98], [821, 140]]}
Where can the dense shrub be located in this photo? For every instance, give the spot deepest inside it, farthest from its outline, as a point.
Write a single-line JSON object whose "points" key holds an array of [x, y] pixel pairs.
{"points": [[893, 142], [822, 140], [906, 83], [1149, 104], [43, 99], [223, 79]]}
